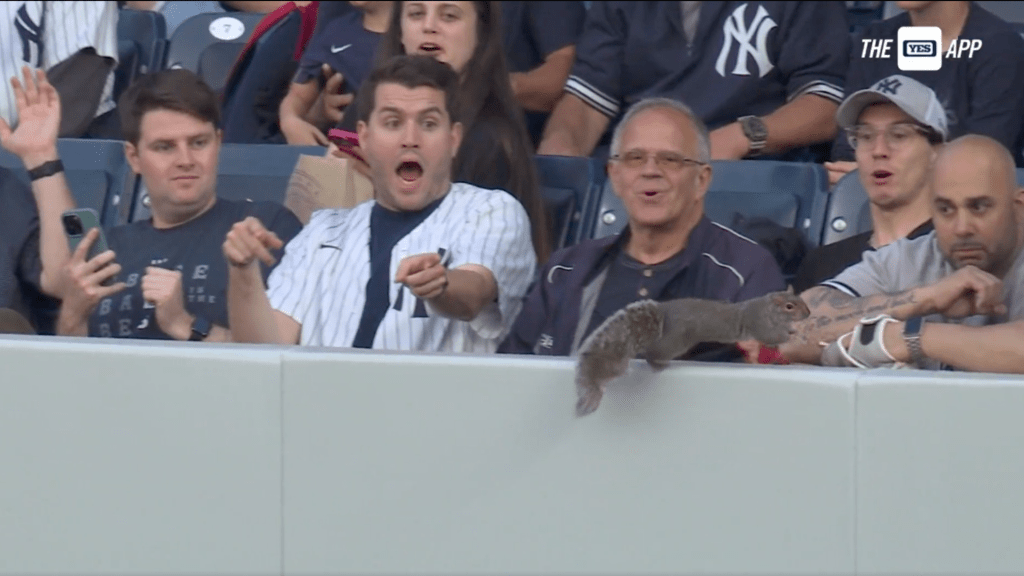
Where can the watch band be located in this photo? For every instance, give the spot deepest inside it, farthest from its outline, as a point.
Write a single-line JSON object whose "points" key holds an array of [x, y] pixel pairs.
{"points": [[200, 329], [46, 169], [912, 338]]}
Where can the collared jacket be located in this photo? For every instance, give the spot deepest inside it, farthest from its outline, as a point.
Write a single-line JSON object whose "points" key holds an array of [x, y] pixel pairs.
{"points": [[717, 264]]}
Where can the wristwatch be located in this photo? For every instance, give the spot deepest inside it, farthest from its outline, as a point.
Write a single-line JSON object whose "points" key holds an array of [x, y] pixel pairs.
{"points": [[756, 131], [200, 329], [912, 338]]}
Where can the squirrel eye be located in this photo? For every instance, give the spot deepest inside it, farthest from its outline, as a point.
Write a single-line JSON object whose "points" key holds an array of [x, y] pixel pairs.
{"points": [[789, 305]]}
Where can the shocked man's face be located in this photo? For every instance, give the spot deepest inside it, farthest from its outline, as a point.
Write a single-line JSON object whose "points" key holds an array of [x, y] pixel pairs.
{"points": [[410, 143]]}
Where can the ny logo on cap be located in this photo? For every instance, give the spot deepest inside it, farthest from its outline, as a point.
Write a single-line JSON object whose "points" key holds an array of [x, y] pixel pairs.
{"points": [[888, 86]]}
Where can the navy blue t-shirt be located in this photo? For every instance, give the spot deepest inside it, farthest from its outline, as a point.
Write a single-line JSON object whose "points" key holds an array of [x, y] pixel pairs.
{"points": [[533, 30], [746, 57], [983, 94], [386, 229], [195, 248], [345, 46]]}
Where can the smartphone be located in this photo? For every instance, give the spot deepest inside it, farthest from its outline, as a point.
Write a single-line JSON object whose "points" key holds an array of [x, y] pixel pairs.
{"points": [[77, 224], [346, 141]]}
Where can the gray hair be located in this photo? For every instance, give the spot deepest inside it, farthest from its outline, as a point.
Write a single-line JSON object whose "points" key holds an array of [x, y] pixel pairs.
{"points": [[703, 139]]}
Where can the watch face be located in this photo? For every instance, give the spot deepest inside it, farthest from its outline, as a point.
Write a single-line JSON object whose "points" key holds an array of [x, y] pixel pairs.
{"points": [[755, 129]]}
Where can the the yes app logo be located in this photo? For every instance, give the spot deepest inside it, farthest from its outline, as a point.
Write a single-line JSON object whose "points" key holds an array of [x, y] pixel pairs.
{"points": [[919, 48]]}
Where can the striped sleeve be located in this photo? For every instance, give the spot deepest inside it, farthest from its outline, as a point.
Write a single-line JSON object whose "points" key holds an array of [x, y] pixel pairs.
{"points": [[596, 76], [496, 236], [289, 287], [813, 56]]}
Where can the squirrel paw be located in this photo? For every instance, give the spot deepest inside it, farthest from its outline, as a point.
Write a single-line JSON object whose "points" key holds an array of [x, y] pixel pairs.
{"points": [[589, 398]]}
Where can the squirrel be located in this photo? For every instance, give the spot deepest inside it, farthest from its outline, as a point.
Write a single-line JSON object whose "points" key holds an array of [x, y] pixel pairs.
{"points": [[661, 331]]}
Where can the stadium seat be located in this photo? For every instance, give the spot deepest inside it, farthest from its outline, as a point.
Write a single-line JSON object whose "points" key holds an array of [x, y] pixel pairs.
{"points": [[1020, 176], [565, 184], [249, 117], [784, 192], [97, 173], [208, 44], [847, 211], [246, 172], [127, 66], [148, 30]]}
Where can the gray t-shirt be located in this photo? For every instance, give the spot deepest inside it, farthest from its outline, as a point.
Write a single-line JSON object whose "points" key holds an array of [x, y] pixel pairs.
{"points": [[907, 264]]}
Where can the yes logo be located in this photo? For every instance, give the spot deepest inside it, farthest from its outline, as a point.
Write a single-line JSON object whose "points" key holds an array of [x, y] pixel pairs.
{"points": [[750, 41]]}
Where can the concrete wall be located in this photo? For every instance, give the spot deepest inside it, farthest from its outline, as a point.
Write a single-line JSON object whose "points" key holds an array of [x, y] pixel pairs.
{"points": [[197, 459]]}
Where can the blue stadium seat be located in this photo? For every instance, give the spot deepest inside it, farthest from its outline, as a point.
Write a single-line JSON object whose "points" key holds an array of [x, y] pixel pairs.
{"points": [[847, 211], [566, 185], [251, 96], [208, 44], [784, 192], [128, 59], [246, 172], [148, 31], [97, 173], [1020, 176]]}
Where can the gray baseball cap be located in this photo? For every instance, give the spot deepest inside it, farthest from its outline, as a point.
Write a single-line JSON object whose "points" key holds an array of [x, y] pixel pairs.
{"points": [[914, 98]]}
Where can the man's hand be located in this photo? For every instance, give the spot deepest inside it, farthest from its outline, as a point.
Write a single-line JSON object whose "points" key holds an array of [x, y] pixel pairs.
{"points": [[423, 274], [729, 143], [162, 288], [351, 153], [334, 102], [966, 292], [35, 138], [837, 170], [83, 286], [248, 241]]}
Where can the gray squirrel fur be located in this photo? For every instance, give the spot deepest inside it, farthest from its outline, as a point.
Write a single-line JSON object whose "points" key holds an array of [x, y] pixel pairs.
{"points": [[661, 331]]}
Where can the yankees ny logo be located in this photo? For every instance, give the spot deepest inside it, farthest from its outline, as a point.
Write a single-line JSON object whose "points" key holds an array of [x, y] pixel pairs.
{"points": [[735, 29], [889, 86], [30, 31]]}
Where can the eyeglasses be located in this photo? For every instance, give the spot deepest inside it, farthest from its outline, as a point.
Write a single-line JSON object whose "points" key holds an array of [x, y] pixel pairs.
{"points": [[896, 135], [669, 161]]}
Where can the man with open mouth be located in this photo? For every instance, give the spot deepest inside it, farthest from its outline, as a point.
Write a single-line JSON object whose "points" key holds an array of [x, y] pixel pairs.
{"points": [[428, 265], [951, 298], [895, 128]]}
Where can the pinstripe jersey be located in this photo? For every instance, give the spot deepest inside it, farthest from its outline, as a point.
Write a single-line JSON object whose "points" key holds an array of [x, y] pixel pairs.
{"points": [[42, 39], [321, 280]]}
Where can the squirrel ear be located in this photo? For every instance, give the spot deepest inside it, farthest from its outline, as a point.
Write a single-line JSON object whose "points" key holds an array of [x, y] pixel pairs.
{"points": [[789, 289]]}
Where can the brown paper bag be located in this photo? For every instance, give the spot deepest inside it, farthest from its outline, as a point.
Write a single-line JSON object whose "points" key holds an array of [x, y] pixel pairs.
{"points": [[318, 182]]}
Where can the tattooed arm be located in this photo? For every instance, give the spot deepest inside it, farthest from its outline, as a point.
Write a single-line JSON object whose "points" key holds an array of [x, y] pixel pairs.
{"points": [[966, 292]]}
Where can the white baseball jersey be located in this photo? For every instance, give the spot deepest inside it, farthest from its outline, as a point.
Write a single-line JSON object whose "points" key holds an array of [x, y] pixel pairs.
{"points": [[42, 34], [321, 280]]}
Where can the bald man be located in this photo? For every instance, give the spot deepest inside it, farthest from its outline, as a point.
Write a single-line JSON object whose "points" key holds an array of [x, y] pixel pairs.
{"points": [[916, 302]]}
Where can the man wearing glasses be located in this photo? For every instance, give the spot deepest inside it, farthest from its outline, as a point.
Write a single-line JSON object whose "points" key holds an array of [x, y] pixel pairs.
{"points": [[659, 167], [895, 128]]}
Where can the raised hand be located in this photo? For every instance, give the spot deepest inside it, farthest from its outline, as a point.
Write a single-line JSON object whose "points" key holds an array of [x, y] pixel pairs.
{"points": [[34, 139], [83, 287]]}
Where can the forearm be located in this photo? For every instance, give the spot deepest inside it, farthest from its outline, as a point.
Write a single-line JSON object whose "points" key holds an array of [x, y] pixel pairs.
{"points": [[53, 198], [70, 323], [807, 119], [467, 293], [250, 314], [298, 103], [573, 129], [539, 89], [996, 348], [834, 313]]}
